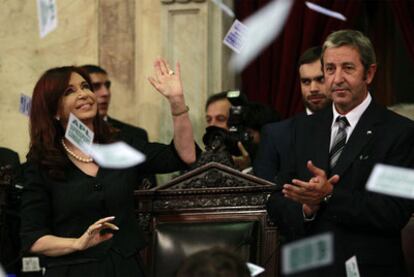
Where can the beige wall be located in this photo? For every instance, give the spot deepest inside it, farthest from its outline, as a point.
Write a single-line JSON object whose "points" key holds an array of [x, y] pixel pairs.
{"points": [[24, 56], [190, 32], [124, 36]]}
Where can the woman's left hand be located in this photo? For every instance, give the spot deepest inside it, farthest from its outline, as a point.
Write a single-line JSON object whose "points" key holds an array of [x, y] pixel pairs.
{"points": [[167, 81], [92, 236]]}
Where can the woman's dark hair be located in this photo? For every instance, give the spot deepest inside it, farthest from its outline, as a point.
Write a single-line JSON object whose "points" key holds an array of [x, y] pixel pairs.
{"points": [[46, 131]]}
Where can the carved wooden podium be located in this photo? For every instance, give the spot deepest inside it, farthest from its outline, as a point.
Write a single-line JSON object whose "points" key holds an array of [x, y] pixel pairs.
{"points": [[213, 205]]}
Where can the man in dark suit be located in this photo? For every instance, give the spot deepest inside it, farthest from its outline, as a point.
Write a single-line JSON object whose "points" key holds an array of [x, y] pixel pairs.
{"points": [[332, 158], [102, 88], [273, 153]]}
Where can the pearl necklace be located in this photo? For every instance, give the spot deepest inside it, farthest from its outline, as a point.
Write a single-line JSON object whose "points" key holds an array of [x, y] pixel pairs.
{"points": [[79, 158]]}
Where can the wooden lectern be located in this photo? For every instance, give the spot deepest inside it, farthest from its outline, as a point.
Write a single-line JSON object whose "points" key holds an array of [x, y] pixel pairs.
{"points": [[213, 205]]}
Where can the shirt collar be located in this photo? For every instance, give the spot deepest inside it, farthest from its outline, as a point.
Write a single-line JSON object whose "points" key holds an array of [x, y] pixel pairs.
{"points": [[355, 114], [308, 111]]}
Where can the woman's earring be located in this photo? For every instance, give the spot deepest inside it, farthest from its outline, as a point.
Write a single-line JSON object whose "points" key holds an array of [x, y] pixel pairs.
{"points": [[57, 118]]}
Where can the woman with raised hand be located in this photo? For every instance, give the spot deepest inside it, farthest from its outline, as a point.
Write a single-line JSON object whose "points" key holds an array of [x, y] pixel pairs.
{"points": [[77, 214]]}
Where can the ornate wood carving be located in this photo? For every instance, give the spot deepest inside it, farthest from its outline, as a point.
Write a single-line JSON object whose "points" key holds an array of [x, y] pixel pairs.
{"points": [[211, 201], [213, 193], [144, 220], [210, 179], [211, 186]]}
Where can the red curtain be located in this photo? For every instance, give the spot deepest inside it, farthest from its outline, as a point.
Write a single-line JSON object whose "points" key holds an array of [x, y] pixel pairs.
{"points": [[273, 77], [404, 14]]}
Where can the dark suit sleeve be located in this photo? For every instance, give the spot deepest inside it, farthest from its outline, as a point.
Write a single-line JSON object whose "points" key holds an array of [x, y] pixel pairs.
{"points": [[267, 162], [160, 158], [285, 213], [358, 208], [35, 208], [141, 133], [9, 157], [127, 130]]}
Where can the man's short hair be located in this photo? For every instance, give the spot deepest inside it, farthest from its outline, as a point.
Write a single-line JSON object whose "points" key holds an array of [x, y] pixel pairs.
{"points": [[216, 97], [354, 39], [311, 55], [91, 69], [257, 115], [217, 262]]}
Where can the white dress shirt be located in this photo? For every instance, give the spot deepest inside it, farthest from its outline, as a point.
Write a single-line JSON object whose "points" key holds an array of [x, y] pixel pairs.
{"points": [[353, 117]]}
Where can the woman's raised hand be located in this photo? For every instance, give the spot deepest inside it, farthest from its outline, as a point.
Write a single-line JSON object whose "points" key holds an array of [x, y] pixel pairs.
{"points": [[165, 80], [93, 236]]}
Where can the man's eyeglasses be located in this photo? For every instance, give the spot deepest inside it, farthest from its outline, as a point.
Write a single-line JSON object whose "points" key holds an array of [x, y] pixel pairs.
{"points": [[97, 86]]}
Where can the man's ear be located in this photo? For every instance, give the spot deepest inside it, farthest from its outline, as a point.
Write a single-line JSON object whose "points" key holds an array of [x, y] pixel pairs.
{"points": [[369, 75]]}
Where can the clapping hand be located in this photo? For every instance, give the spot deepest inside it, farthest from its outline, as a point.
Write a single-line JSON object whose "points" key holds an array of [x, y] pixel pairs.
{"points": [[312, 192]]}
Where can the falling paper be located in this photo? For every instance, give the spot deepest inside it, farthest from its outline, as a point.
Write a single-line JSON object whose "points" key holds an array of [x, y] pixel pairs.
{"points": [[30, 264], [325, 11], [79, 134], [25, 104], [47, 16], [223, 7], [307, 253], [392, 180], [255, 269], [351, 267], [235, 36], [262, 28], [116, 155]]}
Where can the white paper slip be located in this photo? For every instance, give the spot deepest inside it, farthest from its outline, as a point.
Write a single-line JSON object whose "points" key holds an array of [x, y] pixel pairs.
{"points": [[307, 253], [226, 9], [325, 11], [47, 16], [30, 264], [262, 28], [255, 269], [392, 180], [235, 37], [116, 155], [25, 104], [79, 134], [351, 267]]}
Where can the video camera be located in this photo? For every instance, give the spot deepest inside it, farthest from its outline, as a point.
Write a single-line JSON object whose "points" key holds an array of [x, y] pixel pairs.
{"points": [[236, 132]]}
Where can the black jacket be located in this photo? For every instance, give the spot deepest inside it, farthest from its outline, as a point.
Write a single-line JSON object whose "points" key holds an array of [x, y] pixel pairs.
{"points": [[363, 223], [66, 208]]}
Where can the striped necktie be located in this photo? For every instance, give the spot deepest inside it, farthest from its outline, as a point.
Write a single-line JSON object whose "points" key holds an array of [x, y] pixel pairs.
{"points": [[339, 141]]}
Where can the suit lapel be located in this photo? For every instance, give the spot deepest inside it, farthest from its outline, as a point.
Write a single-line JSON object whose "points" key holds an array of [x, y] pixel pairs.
{"points": [[363, 133], [322, 139]]}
